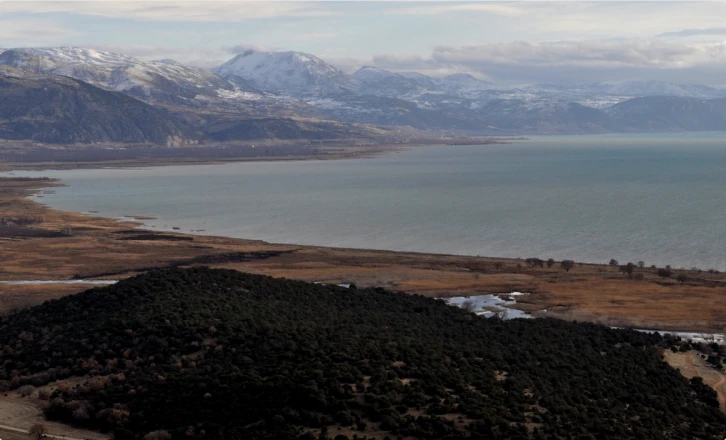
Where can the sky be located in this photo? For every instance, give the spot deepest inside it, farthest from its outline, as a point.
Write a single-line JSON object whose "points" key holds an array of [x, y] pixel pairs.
{"points": [[513, 42]]}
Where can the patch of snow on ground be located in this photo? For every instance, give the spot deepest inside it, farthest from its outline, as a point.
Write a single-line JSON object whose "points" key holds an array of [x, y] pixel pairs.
{"points": [[326, 103], [489, 305], [238, 94]]}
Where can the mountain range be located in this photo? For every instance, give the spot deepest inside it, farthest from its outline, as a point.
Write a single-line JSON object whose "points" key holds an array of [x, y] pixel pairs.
{"points": [[281, 95], [62, 110]]}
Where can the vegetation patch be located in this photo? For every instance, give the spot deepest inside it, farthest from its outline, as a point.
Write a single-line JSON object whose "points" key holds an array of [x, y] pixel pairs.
{"points": [[202, 353]]}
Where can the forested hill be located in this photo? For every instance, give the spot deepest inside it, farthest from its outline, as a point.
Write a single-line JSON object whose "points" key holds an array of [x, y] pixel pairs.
{"points": [[219, 354]]}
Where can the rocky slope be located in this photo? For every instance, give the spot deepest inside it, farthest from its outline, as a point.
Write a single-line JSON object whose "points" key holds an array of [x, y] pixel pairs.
{"points": [[60, 110]]}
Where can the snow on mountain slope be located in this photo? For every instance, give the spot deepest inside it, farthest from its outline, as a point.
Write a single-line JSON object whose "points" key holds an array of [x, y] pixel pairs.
{"points": [[409, 85], [286, 72], [369, 74], [160, 79], [463, 83], [656, 88], [381, 82]]}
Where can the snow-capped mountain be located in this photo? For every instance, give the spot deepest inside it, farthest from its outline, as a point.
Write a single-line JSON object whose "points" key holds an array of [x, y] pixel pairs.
{"points": [[294, 73], [463, 83], [294, 85], [654, 88], [623, 90], [164, 79], [61, 110], [412, 85], [381, 82]]}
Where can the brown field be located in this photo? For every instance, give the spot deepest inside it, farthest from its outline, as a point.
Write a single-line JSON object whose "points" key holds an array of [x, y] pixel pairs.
{"points": [[61, 245]]}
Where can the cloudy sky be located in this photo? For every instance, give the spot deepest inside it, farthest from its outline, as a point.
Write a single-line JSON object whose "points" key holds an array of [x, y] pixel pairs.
{"points": [[514, 42]]}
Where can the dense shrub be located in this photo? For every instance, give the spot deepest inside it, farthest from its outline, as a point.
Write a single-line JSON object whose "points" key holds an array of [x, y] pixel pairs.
{"points": [[200, 353]]}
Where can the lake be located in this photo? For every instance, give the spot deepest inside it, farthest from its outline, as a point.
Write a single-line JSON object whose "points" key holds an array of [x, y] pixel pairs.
{"points": [[657, 198]]}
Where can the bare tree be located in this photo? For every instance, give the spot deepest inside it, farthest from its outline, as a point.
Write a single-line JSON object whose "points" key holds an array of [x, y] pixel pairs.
{"points": [[38, 431], [641, 264], [682, 278], [468, 306], [567, 265]]}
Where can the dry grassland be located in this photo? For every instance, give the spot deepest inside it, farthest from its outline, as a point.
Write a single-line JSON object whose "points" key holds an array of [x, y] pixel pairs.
{"points": [[110, 249]]}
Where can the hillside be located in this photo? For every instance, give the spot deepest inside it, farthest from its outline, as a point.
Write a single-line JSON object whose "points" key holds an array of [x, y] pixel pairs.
{"points": [[667, 113], [165, 80], [264, 95], [220, 354], [60, 110]]}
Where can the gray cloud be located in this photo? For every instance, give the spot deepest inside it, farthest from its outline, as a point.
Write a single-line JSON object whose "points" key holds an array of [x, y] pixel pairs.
{"points": [[241, 48], [15, 32], [711, 32], [575, 61], [176, 11]]}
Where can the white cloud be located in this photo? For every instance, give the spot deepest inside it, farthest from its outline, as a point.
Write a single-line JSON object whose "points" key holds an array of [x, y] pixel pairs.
{"points": [[17, 32], [600, 53], [491, 8], [316, 36], [574, 61], [174, 11], [720, 31], [241, 48]]}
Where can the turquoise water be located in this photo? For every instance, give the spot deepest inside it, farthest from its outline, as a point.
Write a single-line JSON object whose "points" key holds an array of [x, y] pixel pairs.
{"points": [[656, 198]]}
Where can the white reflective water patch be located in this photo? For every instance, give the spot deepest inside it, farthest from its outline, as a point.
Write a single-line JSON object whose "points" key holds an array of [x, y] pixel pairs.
{"points": [[489, 305]]}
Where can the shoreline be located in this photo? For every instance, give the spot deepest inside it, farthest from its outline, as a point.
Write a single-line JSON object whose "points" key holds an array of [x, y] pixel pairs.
{"points": [[346, 153], [103, 248], [590, 292], [265, 153]]}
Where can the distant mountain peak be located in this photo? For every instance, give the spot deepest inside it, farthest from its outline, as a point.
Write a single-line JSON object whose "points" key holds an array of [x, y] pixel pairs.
{"points": [[293, 72], [372, 73], [164, 79]]}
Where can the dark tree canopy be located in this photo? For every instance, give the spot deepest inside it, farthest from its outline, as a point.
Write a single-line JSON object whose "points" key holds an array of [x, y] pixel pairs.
{"points": [[664, 273], [218, 354]]}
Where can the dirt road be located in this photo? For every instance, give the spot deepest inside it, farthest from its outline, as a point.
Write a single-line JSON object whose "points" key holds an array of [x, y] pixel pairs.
{"points": [[691, 365], [18, 415]]}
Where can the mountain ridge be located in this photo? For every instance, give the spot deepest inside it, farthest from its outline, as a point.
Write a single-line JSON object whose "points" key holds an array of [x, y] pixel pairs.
{"points": [[56, 109], [294, 86]]}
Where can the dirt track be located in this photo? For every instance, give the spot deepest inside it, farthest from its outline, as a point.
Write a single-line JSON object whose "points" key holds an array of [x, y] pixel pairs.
{"points": [[691, 365], [18, 414]]}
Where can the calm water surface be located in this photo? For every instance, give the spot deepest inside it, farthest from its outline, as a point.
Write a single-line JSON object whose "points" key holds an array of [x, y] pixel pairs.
{"points": [[656, 198]]}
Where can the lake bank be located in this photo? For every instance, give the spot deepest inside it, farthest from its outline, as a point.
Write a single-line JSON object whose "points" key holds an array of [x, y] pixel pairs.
{"points": [[96, 247], [34, 157], [588, 198]]}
